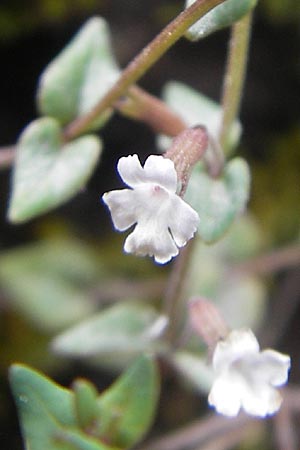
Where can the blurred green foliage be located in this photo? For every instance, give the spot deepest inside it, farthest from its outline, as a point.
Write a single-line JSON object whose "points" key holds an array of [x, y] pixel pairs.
{"points": [[276, 188], [15, 19]]}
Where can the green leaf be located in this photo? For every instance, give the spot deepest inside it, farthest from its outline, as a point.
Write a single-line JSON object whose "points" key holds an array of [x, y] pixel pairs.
{"points": [[240, 297], [219, 17], [48, 283], [128, 406], [85, 402], [46, 413], [218, 201], [80, 75], [195, 370], [120, 332], [47, 172], [196, 109]]}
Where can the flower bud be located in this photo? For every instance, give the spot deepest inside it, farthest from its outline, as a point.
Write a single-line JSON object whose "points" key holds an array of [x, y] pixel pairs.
{"points": [[207, 321], [186, 150]]}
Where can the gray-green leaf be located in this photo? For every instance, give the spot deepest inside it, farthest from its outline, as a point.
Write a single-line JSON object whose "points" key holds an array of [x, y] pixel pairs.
{"points": [[122, 331], [218, 201], [48, 172], [48, 283], [219, 17], [80, 75], [196, 109]]}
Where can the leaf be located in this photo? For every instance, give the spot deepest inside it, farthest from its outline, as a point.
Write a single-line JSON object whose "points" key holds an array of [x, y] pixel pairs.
{"points": [[240, 297], [128, 406], [218, 201], [123, 331], [80, 75], [48, 282], [196, 109], [47, 414], [219, 17], [195, 369], [47, 172], [85, 402]]}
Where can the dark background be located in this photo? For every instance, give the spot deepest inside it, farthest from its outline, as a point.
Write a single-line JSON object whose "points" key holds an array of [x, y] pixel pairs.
{"points": [[33, 32]]}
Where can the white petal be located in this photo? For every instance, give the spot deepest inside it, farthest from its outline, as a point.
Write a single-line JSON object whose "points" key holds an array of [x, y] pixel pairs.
{"points": [[236, 345], [161, 170], [261, 400], [147, 239], [182, 220], [131, 171], [157, 170], [225, 396], [121, 204], [275, 367]]}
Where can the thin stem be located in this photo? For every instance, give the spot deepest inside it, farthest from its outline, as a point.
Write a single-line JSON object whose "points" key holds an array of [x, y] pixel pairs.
{"points": [[7, 156], [173, 295], [143, 61], [285, 434], [142, 106], [279, 259], [230, 440], [235, 75], [198, 432]]}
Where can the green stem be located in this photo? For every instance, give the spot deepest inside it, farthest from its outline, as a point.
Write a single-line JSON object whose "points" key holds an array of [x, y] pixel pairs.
{"points": [[143, 61], [235, 75]]}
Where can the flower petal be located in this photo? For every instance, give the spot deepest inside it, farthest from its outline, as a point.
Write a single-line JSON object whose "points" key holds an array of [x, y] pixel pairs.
{"points": [[157, 170], [275, 366], [182, 221], [261, 400], [131, 171], [225, 396], [147, 239], [236, 345], [161, 170], [122, 208]]}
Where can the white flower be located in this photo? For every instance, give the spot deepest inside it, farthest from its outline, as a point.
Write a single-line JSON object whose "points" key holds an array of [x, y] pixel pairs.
{"points": [[245, 376], [163, 220]]}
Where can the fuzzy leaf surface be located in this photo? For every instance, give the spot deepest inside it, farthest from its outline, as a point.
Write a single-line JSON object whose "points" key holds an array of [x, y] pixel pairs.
{"points": [[80, 75], [48, 172], [221, 16]]}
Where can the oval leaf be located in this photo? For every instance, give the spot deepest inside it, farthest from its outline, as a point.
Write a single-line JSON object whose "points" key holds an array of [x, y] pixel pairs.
{"points": [[80, 75], [46, 412], [123, 329], [218, 201], [48, 283], [219, 17], [48, 173], [128, 406]]}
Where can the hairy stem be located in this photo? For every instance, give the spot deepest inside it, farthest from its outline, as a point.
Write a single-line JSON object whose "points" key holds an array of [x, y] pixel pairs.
{"points": [[142, 62], [142, 106], [234, 75]]}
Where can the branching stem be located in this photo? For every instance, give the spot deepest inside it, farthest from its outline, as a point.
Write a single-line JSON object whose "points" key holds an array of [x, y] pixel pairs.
{"points": [[142, 62]]}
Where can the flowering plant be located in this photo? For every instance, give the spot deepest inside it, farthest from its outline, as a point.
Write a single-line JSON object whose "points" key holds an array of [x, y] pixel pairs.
{"points": [[185, 205], [246, 377], [163, 220]]}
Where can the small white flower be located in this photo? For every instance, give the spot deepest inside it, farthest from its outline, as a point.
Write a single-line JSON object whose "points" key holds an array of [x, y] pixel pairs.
{"points": [[245, 376], [163, 220]]}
